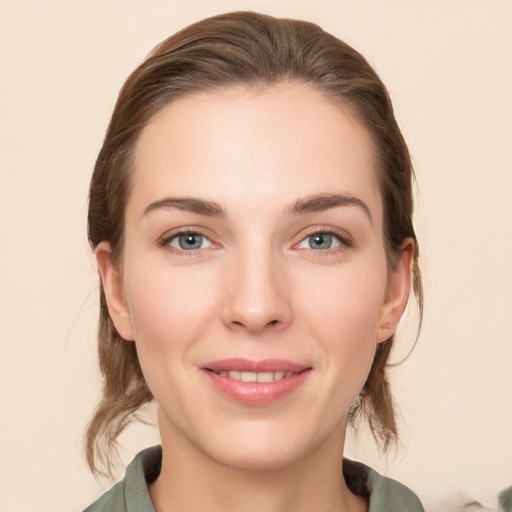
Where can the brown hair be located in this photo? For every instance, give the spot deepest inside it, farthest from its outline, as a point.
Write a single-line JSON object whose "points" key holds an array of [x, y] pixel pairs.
{"points": [[241, 48]]}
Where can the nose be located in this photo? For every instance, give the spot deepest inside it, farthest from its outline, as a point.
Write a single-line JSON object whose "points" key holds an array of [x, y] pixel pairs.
{"points": [[257, 296]]}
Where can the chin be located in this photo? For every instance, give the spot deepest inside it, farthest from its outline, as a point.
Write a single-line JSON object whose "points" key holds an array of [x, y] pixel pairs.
{"points": [[256, 459], [260, 448]]}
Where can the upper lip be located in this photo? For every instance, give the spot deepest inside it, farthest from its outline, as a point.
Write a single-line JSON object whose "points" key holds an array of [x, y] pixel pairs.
{"points": [[246, 365]]}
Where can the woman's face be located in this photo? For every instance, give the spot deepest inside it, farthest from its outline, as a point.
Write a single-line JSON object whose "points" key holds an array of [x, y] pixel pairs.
{"points": [[253, 251]]}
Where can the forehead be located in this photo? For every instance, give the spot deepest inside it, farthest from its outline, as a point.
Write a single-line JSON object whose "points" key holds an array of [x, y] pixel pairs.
{"points": [[288, 139]]}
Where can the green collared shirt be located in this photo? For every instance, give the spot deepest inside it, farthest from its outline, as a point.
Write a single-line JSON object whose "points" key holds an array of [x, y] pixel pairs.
{"points": [[131, 494]]}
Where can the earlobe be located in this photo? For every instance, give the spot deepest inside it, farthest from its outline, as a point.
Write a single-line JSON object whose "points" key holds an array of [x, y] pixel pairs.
{"points": [[397, 293], [112, 284]]}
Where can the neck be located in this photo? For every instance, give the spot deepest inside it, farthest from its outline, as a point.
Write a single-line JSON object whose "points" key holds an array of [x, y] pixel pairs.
{"points": [[190, 481]]}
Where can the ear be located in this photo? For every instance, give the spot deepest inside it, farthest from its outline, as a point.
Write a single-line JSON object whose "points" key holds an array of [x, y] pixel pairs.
{"points": [[113, 289], [397, 293]]}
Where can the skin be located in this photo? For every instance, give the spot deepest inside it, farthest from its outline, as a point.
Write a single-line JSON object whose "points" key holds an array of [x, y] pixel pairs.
{"points": [[256, 288]]}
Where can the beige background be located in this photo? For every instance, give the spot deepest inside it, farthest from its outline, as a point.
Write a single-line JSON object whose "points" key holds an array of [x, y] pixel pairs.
{"points": [[448, 66]]}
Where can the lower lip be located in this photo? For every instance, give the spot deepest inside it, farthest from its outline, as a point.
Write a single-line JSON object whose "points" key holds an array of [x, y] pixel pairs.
{"points": [[257, 393]]}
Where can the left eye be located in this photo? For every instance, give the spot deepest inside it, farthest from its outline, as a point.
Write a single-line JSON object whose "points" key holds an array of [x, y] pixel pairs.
{"points": [[189, 241], [320, 242]]}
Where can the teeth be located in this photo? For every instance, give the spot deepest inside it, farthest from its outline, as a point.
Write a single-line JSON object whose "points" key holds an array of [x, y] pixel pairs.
{"points": [[248, 376], [265, 377], [255, 377]]}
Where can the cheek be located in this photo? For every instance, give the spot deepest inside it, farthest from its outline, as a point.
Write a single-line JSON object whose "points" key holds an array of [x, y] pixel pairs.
{"points": [[346, 301], [343, 311], [169, 309], [171, 313]]}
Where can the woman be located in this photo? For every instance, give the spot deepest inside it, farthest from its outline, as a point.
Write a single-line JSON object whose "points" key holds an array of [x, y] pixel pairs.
{"points": [[251, 215]]}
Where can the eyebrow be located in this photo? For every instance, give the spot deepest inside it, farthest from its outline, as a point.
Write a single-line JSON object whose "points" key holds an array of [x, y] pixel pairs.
{"points": [[309, 204], [322, 202], [188, 204]]}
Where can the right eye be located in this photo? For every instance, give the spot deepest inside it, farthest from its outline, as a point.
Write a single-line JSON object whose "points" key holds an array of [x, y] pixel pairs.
{"points": [[321, 241], [189, 241]]}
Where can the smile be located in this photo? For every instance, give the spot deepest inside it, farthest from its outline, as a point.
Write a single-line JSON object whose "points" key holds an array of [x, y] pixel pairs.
{"points": [[255, 376], [256, 382]]}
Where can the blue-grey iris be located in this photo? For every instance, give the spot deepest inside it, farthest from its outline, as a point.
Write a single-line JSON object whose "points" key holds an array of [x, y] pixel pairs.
{"points": [[320, 241], [190, 241]]}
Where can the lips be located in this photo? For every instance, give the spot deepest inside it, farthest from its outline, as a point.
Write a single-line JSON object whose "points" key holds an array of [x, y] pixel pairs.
{"points": [[256, 382]]}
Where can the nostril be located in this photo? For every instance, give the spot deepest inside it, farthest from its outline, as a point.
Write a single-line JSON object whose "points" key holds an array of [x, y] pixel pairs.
{"points": [[237, 324]]}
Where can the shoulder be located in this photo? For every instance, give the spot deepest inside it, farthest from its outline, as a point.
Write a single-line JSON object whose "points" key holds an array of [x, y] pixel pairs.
{"points": [[131, 494], [385, 494], [112, 501]]}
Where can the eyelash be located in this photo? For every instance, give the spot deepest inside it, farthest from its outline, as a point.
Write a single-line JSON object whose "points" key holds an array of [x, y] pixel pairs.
{"points": [[344, 238]]}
